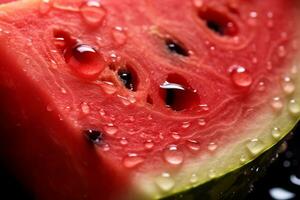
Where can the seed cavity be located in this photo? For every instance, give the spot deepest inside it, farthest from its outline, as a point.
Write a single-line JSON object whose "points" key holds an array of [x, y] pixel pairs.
{"points": [[129, 78], [175, 47], [177, 93], [218, 22], [94, 136]]}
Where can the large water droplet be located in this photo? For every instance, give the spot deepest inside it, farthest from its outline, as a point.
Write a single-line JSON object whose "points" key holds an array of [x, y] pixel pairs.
{"points": [[294, 107], [255, 146], [165, 182], [92, 12], [276, 133], [132, 160], [110, 129], [240, 76], [288, 86], [193, 145], [173, 155], [119, 35], [277, 104], [85, 108], [85, 61], [45, 6], [212, 146]]}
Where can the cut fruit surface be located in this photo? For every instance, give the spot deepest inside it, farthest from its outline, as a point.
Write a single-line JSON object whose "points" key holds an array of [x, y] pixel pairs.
{"points": [[144, 99]]}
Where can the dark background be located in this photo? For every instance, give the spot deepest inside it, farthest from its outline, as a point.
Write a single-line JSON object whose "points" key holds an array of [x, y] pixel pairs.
{"points": [[278, 177]]}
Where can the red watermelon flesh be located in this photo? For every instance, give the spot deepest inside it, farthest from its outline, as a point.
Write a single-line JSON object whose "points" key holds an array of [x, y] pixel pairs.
{"points": [[143, 99]]}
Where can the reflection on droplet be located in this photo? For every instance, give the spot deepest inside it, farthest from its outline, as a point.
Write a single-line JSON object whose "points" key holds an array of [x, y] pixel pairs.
{"points": [[92, 12], [295, 180], [132, 160], [281, 194], [165, 182], [173, 155]]}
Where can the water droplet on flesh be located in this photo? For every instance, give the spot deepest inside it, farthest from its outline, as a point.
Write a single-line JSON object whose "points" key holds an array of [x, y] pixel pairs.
{"points": [[132, 160], [176, 136], [212, 146], [277, 103], [85, 61], [201, 122], [110, 129], [186, 125], [255, 146], [45, 6], [149, 144], [193, 145], [119, 35], [85, 108], [123, 141], [173, 155], [109, 87], [165, 182], [288, 86], [281, 51], [93, 13], [241, 77]]}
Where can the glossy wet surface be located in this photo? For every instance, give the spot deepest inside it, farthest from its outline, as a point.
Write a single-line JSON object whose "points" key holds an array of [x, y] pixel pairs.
{"points": [[282, 182]]}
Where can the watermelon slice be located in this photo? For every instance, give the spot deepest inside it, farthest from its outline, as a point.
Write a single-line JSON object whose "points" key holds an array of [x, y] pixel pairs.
{"points": [[146, 99]]}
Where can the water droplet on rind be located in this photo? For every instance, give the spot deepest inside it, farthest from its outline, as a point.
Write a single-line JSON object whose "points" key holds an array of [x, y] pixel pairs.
{"points": [[276, 133], [93, 13], [165, 182], [294, 107], [255, 146], [194, 179]]}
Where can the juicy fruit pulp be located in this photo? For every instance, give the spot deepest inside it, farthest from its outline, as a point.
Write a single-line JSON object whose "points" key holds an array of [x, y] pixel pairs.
{"points": [[146, 104]]}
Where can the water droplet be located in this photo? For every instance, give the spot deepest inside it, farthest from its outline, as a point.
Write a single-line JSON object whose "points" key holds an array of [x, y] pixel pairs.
{"points": [[132, 160], [281, 51], [277, 103], [212, 146], [92, 12], [165, 182], [108, 87], [85, 108], [176, 136], [212, 173], [288, 86], [201, 122], [255, 146], [261, 86], [49, 108], [240, 76], [119, 35], [45, 6], [149, 144], [243, 159], [186, 125], [276, 133], [105, 147], [198, 3], [204, 107], [173, 156], [102, 112], [123, 141], [124, 100], [85, 61], [63, 90], [131, 99], [110, 129], [193, 145], [253, 14], [194, 178], [294, 107]]}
